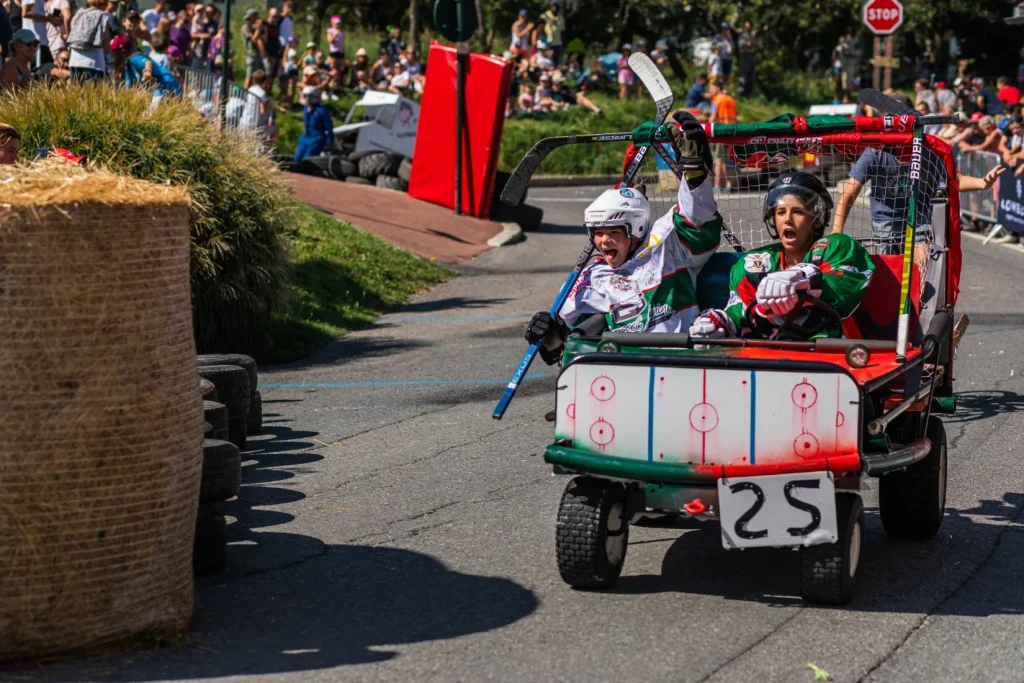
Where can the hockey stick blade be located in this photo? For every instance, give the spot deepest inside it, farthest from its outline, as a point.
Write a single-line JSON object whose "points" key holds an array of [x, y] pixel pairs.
{"points": [[884, 103], [648, 73], [517, 183]]}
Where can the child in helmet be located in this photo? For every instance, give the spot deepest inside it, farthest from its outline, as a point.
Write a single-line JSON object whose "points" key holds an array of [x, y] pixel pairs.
{"points": [[765, 284], [644, 278]]}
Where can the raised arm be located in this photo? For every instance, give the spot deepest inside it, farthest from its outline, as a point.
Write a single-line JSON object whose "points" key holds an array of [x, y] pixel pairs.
{"points": [[845, 205]]}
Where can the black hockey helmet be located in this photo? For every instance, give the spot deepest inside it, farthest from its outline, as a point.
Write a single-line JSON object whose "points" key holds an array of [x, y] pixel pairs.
{"points": [[811, 192]]}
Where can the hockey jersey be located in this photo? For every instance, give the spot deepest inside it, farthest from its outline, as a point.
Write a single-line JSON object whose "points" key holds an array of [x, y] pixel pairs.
{"points": [[655, 289], [845, 266]]}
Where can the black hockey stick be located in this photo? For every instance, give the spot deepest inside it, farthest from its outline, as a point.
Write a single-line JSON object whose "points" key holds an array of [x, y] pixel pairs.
{"points": [[515, 188], [889, 105]]}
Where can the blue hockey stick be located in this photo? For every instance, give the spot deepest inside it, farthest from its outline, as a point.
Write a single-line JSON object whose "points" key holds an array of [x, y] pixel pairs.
{"points": [[662, 94]]}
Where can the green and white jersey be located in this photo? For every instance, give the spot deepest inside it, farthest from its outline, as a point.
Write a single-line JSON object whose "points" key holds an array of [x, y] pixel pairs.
{"points": [[655, 289], [845, 266]]}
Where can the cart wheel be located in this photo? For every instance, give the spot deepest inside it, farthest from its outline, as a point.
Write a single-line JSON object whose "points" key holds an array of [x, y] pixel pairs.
{"points": [[591, 533], [828, 572], [912, 502]]}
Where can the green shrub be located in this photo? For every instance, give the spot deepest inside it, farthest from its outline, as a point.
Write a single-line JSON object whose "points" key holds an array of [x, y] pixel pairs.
{"points": [[240, 205]]}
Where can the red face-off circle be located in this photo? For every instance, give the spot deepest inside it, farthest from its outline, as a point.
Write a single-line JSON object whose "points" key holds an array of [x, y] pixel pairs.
{"points": [[703, 417], [806, 446], [602, 433], [804, 395], [602, 388]]}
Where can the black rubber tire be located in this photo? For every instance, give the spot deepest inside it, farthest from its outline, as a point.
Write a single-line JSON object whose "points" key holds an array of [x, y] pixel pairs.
{"points": [[210, 548], [828, 572], [208, 431], [390, 182], [207, 389], [233, 389], [289, 167], [356, 180], [222, 471], [588, 515], [281, 158], [912, 502], [217, 415], [340, 168], [239, 359], [354, 157], [321, 161], [254, 423], [380, 163], [405, 170], [306, 167]]}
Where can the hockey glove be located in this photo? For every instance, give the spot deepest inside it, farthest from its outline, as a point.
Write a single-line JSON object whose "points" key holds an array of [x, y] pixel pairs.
{"points": [[712, 324], [778, 292], [550, 332], [693, 151]]}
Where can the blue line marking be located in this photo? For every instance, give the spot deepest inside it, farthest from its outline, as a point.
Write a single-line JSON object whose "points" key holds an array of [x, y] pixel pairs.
{"points": [[650, 418], [753, 416], [400, 383], [451, 319]]}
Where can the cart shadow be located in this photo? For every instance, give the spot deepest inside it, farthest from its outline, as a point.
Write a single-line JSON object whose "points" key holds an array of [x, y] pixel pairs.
{"points": [[967, 569], [981, 405]]}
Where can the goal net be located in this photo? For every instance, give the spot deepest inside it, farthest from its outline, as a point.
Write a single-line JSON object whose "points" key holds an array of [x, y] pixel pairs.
{"points": [[869, 176]]}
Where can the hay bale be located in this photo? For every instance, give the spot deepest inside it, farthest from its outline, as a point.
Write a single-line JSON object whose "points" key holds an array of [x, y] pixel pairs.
{"points": [[101, 420]]}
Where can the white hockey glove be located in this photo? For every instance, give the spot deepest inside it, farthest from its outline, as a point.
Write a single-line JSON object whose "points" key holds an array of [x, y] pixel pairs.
{"points": [[712, 324], [777, 293]]}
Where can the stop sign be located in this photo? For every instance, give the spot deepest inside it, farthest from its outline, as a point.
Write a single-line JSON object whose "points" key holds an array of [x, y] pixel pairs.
{"points": [[883, 16]]}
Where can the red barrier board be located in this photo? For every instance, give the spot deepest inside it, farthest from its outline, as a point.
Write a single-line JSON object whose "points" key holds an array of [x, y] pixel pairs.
{"points": [[433, 170]]}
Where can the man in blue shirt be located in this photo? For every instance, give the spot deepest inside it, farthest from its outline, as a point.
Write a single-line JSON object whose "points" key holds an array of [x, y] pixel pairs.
{"points": [[988, 99], [319, 129], [696, 97]]}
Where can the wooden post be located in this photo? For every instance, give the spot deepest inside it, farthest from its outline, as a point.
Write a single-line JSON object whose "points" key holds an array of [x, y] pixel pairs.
{"points": [[887, 82]]}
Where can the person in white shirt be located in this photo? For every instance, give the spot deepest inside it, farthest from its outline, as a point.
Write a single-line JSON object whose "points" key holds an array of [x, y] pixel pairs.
{"points": [[36, 17], [400, 79], [151, 17]]}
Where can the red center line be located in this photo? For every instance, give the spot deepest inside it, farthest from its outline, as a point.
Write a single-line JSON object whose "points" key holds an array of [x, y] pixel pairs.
{"points": [[704, 434]]}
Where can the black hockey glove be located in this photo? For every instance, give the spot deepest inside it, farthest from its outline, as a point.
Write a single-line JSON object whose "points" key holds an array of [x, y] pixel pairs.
{"points": [[693, 151], [550, 332]]}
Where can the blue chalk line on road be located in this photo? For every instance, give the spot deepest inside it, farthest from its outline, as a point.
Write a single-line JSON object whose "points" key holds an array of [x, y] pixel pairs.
{"points": [[443, 319], [400, 383]]}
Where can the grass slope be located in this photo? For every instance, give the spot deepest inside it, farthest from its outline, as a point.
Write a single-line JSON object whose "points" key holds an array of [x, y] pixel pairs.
{"points": [[342, 279]]}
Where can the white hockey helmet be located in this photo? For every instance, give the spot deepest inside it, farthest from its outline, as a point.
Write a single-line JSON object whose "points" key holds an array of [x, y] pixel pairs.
{"points": [[627, 208]]}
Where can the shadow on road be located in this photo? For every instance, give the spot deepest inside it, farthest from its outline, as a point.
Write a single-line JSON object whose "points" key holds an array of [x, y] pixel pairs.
{"points": [[981, 405], [895, 576]]}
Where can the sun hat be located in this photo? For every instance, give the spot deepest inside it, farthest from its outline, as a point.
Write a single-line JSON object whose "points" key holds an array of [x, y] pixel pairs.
{"points": [[251, 13], [523, 13], [310, 44], [361, 52], [627, 46]]}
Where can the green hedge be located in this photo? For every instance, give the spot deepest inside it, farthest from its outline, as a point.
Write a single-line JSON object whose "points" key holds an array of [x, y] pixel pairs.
{"points": [[240, 205]]}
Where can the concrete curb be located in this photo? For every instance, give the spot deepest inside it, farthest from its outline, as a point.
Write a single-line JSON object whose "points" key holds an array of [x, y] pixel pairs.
{"points": [[510, 233], [573, 180]]}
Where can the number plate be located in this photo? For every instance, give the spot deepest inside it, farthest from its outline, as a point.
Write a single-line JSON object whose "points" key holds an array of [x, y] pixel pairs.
{"points": [[778, 510]]}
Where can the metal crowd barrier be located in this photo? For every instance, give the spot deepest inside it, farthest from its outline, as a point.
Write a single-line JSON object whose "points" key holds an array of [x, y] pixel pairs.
{"points": [[981, 206], [203, 88]]}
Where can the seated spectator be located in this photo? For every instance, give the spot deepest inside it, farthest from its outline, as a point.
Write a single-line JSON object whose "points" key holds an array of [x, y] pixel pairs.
{"points": [[400, 79], [562, 91], [411, 61], [380, 72], [1008, 94], [659, 55], [1011, 145], [925, 94], [966, 98], [526, 102], [697, 95], [950, 130], [58, 71], [10, 144], [991, 137], [309, 55], [17, 72], [544, 59]]}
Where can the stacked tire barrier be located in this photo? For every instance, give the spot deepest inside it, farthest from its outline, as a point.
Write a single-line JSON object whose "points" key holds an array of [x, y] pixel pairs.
{"points": [[101, 421], [369, 167], [233, 410]]}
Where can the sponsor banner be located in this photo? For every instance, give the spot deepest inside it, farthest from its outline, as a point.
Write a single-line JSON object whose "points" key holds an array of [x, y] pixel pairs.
{"points": [[1010, 200]]}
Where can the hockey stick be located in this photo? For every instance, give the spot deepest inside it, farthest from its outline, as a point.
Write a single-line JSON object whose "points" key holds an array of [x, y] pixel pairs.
{"points": [[515, 188], [889, 105], [663, 107], [909, 237]]}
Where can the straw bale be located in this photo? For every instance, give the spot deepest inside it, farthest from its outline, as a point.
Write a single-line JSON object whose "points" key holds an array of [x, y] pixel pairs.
{"points": [[101, 420]]}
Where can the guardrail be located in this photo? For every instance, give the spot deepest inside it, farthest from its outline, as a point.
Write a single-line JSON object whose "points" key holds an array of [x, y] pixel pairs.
{"points": [[982, 205], [203, 88]]}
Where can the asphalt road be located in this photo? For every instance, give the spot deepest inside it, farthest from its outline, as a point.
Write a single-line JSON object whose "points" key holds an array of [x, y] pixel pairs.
{"points": [[389, 529]]}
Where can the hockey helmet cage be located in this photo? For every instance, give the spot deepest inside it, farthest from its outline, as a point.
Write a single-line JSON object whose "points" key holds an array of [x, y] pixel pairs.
{"points": [[812, 194], [626, 207]]}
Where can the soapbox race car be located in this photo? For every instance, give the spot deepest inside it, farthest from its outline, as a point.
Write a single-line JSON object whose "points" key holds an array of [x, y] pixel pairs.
{"points": [[771, 439]]}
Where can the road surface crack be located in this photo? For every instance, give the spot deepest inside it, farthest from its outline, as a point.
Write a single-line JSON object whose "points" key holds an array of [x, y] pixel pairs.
{"points": [[757, 642]]}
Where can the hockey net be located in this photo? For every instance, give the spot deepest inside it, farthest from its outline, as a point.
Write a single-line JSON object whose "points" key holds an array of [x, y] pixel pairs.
{"points": [[745, 168]]}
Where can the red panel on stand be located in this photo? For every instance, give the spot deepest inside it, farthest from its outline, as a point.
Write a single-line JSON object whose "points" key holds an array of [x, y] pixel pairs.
{"points": [[433, 170]]}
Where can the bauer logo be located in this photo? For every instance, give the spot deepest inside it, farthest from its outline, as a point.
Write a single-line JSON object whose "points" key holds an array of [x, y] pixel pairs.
{"points": [[628, 194], [915, 160]]}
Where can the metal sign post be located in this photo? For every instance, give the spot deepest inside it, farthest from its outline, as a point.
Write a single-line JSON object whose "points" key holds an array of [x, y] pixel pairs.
{"points": [[883, 17]]}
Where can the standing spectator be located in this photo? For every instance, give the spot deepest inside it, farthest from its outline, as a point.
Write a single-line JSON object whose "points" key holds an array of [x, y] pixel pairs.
{"points": [[925, 94], [625, 75], [659, 55], [286, 27], [181, 38], [91, 31], [158, 51], [723, 110], [259, 108], [987, 99], [749, 44], [380, 72], [521, 30], [697, 96], [57, 33], [966, 99], [34, 17], [1009, 95], [944, 96], [151, 17], [17, 72], [10, 143], [393, 43], [318, 127], [289, 72], [336, 42], [274, 48], [252, 34], [204, 27], [554, 28], [726, 50], [217, 55], [536, 35], [716, 72]]}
